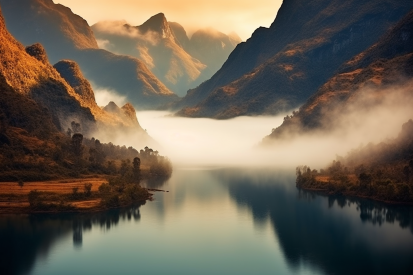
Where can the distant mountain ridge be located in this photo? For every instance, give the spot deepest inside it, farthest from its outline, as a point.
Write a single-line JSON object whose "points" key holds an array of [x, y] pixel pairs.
{"points": [[68, 36], [179, 62], [280, 67]]}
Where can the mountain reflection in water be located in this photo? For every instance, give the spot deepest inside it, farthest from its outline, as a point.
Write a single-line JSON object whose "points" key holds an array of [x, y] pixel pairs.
{"points": [[203, 225], [25, 239], [331, 241]]}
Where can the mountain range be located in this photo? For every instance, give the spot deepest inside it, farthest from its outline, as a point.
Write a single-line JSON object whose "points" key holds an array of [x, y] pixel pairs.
{"points": [[65, 35], [280, 67], [178, 61], [383, 68]]}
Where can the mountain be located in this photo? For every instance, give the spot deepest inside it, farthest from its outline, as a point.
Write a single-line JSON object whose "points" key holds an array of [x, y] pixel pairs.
{"points": [[68, 36], [280, 67], [153, 43], [35, 93], [179, 62], [385, 67], [39, 81]]}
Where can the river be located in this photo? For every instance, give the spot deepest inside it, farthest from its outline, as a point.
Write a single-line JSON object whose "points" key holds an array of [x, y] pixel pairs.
{"points": [[219, 221], [217, 218]]}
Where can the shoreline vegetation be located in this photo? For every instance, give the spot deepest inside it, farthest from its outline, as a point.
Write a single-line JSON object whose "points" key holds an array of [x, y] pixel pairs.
{"points": [[70, 173], [381, 172], [352, 186]]}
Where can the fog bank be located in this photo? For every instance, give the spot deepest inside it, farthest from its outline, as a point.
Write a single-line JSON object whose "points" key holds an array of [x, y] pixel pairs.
{"points": [[203, 142], [195, 142]]}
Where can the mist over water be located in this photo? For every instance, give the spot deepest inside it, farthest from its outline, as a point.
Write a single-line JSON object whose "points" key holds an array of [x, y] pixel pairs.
{"points": [[196, 142], [201, 142]]}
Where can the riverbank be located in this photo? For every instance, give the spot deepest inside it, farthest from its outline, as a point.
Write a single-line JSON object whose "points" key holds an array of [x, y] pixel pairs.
{"points": [[68, 195], [326, 185]]}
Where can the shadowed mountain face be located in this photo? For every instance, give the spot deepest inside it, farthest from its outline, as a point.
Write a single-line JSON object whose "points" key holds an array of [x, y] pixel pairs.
{"points": [[179, 62], [280, 67], [67, 36], [388, 63]]}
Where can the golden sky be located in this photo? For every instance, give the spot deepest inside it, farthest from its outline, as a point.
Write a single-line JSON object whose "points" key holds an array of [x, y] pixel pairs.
{"points": [[241, 16]]}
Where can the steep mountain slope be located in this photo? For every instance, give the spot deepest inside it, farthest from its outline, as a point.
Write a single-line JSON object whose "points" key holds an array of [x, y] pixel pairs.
{"points": [[67, 36], [38, 80], [280, 67], [386, 64], [179, 62], [60, 92], [153, 43]]}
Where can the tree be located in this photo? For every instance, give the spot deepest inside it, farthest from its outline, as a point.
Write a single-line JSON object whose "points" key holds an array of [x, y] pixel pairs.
{"points": [[97, 155], [77, 146], [365, 180], [137, 169], [20, 183], [88, 189]]}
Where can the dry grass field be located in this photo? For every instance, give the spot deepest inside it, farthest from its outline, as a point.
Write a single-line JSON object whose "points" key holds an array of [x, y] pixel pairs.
{"points": [[13, 197]]}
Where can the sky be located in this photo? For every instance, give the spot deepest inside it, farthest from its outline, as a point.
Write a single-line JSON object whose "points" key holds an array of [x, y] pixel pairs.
{"points": [[241, 16]]}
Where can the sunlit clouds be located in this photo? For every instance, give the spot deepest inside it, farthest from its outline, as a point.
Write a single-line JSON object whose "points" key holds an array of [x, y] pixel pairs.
{"points": [[241, 16]]}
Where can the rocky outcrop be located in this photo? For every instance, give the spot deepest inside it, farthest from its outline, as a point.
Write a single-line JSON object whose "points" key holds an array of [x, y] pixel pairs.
{"points": [[71, 72], [127, 112], [38, 52]]}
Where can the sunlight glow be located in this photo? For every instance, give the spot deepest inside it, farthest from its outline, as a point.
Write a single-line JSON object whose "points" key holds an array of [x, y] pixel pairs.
{"points": [[241, 16]]}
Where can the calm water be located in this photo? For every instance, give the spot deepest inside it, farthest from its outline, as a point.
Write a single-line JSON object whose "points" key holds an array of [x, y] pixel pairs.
{"points": [[223, 221]]}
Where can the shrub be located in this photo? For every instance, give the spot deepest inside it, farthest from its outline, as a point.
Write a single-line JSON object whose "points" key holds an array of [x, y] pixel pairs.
{"points": [[88, 189]]}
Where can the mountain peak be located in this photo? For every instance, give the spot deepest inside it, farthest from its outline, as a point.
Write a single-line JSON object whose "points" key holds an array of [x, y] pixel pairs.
{"points": [[112, 107], [129, 111], [158, 24]]}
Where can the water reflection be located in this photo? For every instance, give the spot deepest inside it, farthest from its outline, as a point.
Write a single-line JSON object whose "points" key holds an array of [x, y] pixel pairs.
{"points": [[311, 230], [370, 211], [203, 226], [24, 239]]}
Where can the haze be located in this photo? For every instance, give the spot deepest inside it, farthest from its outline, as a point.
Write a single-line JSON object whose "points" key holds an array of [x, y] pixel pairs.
{"points": [[203, 142], [241, 16]]}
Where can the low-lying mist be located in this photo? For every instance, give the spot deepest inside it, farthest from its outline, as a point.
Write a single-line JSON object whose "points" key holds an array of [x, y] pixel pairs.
{"points": [[208, 142], [236, 142], [104, 96], [370, 116]]}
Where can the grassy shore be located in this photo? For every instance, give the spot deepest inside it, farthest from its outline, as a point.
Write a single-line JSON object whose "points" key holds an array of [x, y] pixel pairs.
{"points": [[66, 195]]}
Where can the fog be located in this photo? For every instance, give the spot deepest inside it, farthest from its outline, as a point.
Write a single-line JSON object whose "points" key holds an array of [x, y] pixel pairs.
{"points": [[104, 96], [205, 142], [118, 28]]}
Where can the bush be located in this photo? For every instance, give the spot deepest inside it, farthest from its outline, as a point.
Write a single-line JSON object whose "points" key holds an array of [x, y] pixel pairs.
{"points": [[88, 189]]}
